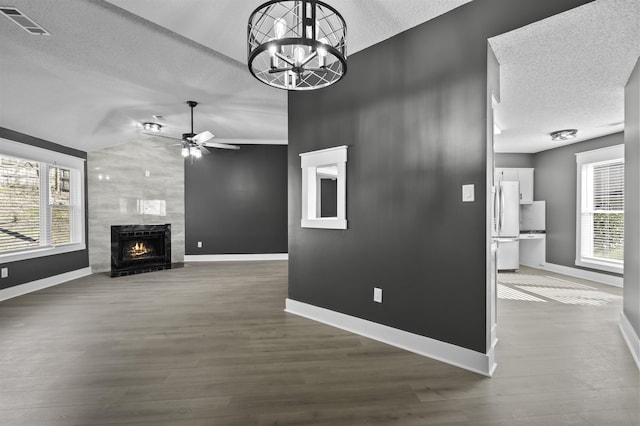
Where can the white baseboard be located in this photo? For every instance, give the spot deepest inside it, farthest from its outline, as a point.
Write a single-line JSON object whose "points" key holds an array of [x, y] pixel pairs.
{"points": [[631, 337], [582, 273], [234, 257], [19, 290], [451, 354], [536, 266]]}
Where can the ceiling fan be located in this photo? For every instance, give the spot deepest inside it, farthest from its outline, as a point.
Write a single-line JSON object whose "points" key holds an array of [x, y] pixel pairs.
{"points": [[194, 145]]}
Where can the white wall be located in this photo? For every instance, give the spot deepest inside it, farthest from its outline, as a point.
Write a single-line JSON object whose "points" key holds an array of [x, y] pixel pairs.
{"points": [[632, 202]]}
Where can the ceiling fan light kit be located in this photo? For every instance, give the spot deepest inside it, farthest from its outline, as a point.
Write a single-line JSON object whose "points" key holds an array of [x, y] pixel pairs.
{"points": [[191, 148], [563, 135], [195, 151], [297, 44]]}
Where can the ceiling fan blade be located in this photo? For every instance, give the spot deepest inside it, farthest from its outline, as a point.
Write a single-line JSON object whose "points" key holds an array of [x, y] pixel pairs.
{"points": [[204, 150], [252, 141], [220, 145], [201, 138], [161, 136], [171, 144]]}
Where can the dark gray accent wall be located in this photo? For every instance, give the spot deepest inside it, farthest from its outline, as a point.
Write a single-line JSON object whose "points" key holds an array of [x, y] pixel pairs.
{"points": [[631, 306], [236, 201], [328, 198], [413, 111], [25, 271], [555, 182], [517, 160]]}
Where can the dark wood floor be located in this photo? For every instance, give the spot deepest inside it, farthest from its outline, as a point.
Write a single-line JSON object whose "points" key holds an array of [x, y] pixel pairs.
{"points": [[210, 344]]}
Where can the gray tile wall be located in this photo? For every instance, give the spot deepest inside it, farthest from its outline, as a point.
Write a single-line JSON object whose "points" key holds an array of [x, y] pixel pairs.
{"points": [[140, 182]]}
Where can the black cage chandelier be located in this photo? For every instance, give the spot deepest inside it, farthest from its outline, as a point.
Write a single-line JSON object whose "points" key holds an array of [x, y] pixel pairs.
{"points": [[297, 44]]}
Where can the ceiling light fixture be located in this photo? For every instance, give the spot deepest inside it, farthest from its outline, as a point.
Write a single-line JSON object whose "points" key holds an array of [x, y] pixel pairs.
{"points": [[152, 127], [297, 45], [563, 135]]}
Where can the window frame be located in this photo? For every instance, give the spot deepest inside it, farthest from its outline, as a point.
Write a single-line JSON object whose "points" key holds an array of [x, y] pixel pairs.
{"points": [[602, 155], [47, 159]]}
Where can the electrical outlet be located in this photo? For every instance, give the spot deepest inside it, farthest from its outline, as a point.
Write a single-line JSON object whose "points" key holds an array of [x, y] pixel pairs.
{"points": [[4, 273], [377, 294], [199, 244]]}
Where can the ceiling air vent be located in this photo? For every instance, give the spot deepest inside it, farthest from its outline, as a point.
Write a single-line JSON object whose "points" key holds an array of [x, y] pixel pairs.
{"points": [[23, 21]]}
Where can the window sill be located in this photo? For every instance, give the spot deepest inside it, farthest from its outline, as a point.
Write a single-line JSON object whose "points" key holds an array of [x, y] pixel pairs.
{"points": [[41, 252], [601, 266], [324, 223]]}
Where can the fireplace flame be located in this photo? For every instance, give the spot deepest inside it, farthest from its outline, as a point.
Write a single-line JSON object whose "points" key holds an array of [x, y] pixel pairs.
{"points": [[138, 249]]}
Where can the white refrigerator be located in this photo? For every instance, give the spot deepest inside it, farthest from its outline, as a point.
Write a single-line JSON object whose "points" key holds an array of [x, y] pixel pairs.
{"points": [[506, 224]]}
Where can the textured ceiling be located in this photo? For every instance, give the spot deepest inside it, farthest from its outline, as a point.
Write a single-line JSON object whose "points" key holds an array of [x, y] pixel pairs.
{"points": [[109, 65], [104, 69], [566, 72], [222, 24]]}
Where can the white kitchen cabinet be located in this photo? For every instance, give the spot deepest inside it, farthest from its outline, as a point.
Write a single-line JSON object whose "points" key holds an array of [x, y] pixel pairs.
{"points": [[525, 177], [506, 174], [522, 175], [533, 250]]}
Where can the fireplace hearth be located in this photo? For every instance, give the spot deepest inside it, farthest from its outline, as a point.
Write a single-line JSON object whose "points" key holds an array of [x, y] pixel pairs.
{"points": [[140, 248]]}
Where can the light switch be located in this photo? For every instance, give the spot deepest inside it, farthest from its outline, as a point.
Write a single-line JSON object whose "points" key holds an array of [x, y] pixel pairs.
{"points": [[377, 294], [468, 193]]}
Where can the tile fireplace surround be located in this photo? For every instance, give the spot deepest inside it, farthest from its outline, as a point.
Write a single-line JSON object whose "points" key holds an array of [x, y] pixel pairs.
{"points": [[140, 182]]}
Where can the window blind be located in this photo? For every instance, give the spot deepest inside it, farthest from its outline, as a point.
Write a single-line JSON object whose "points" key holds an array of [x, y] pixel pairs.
{"points": [[59, 205], [19, 204], [604, 211]]}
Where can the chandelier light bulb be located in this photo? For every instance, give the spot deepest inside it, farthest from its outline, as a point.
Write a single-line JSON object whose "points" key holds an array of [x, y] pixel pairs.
{"points": [[299, 54], [273, 59], [185, 151], [197, 153], [322, 50], [279, 28]]}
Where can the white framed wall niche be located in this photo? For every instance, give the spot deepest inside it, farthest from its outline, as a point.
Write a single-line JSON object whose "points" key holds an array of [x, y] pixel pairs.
{"points": [[324, 188]]}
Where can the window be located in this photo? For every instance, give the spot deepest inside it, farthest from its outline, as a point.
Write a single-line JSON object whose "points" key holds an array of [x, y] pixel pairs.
{"points": [[600, 209], [41, 202]]}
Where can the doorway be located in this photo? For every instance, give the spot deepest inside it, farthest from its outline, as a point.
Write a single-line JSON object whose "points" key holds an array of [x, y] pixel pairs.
{"points": [[561, 73]]}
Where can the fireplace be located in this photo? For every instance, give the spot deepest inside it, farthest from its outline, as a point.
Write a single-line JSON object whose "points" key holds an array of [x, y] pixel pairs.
{"points": [[140, 248]]}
